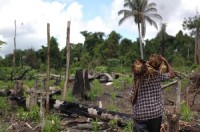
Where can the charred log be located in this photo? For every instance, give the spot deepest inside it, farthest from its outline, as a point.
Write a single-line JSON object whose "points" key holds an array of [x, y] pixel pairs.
{"points": [[81, 85], [89, 111]]}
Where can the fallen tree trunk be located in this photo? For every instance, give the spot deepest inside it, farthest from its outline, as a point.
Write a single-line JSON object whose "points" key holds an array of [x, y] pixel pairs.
{"points": [[82, 110], [90, 111]]}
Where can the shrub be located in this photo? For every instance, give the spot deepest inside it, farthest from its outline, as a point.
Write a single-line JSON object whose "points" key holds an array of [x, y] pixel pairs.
{"points": [[4, 105], [95, 125], [185, 112], [128, 127], [52, 124], [101, 69], [33, 115], [70, 97], [96, 90]]}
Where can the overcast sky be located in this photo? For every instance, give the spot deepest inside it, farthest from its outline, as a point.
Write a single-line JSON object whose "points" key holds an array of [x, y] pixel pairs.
{"points": [[32, 17]]}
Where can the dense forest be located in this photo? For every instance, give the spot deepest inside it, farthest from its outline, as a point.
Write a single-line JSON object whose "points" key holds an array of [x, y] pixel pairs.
{"points": [[111, 51]]}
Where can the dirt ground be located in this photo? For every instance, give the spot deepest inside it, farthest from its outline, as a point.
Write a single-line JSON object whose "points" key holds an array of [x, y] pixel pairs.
{"points": [[122, 103]]}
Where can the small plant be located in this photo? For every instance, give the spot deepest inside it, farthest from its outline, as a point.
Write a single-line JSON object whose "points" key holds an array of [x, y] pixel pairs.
{"points": [[112, 107], [101, 69], [21, 114], [128, 127], [4, 105], [112, 123], [70, 97], [113, 96], [116, 84], [96, 90], [33, 115], [185, 112], [95, 125], [52, 124], [3, 128]]}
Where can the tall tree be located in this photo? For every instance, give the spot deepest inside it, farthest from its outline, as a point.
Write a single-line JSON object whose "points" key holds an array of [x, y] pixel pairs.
{"points": [[193, 24], [112, 44], [141, 11], [92, 40], [55, 57], [162, 37], [14, 52]]}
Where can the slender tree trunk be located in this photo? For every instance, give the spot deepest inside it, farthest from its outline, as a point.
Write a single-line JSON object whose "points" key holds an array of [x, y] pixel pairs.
{"points": [[14, 52], [197, 48], [48, 68], [173, 118], [140, 39], [67, 59]]}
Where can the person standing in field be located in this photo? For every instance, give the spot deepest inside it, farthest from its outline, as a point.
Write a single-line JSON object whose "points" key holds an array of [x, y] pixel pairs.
{"points": [[146, 94]]}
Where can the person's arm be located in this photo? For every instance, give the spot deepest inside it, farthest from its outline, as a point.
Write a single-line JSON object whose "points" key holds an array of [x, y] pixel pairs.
{"points": [[170, 69]]}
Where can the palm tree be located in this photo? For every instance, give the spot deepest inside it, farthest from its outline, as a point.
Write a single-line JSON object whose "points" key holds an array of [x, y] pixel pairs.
{"points": [[141, 11]]}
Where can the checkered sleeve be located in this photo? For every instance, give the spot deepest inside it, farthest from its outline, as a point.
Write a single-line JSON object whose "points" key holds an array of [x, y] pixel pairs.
{"points": [[164, 76]]}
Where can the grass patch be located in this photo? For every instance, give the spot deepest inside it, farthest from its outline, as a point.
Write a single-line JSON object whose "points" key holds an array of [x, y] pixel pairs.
{"points": [[96, 90], [52, 124]]}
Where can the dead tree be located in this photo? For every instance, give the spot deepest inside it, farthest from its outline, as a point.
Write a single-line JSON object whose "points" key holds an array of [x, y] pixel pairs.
{"points": [[31, 99], [18, 89], [81, 85], [48, 68], [14, 52], [173, 118], [67, 59]]}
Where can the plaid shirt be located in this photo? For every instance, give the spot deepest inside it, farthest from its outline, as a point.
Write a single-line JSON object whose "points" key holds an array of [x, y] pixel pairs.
{"points": [[149, 102]]}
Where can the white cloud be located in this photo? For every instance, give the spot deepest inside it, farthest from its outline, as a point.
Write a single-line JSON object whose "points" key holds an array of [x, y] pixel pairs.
{"points": [[35, 14]]}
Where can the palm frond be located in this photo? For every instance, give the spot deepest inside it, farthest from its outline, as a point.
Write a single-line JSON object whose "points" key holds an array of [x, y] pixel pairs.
{"points": [[125, 17], [128, 4], [155, 15], [125, 11], [151, 21], [150, 5], [150, 10], [144, 5]]}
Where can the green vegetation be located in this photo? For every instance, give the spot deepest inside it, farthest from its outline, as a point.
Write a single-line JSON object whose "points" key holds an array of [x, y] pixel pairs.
{"points": [[112, 106], [3, 127], [70, 97], [52, 124], [96, 90], [95, 125], [33, 115], [128, 127], [4, 105], [185, 112]]}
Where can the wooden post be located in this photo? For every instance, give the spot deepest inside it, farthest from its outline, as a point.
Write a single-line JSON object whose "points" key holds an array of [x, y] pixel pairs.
{"points": [[178, 98], [14, 51], [42, 111], [173, 118], [67, 59], [48, 68]]}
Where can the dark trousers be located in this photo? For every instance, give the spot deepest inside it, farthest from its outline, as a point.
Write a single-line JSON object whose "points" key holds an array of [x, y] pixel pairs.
{"points": [[151, 125]]}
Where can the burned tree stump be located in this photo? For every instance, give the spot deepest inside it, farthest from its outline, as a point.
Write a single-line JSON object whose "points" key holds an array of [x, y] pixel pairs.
{"points": [[31, 99], [81, 85], [18, 88], [173, 122]]}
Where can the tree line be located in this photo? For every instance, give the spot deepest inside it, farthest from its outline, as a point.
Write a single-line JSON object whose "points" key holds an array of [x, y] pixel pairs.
{"points": [[100, 50]]}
